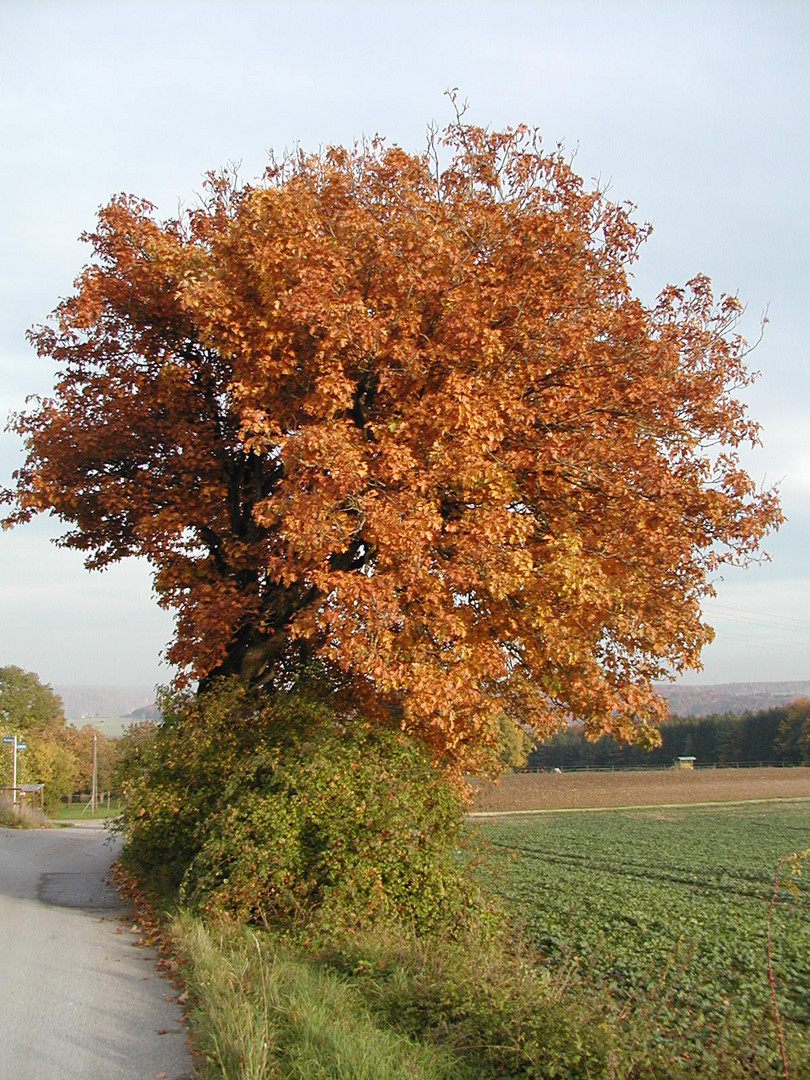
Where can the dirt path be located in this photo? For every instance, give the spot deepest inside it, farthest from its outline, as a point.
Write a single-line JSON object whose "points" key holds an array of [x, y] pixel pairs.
{"points": [[562, 791]]}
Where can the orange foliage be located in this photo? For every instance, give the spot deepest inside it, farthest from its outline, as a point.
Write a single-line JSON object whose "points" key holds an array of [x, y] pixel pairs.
{"points": [[403, 412]]}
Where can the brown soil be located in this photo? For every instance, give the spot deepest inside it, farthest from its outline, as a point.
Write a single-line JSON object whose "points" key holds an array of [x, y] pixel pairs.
{"points": [[561, 791]]}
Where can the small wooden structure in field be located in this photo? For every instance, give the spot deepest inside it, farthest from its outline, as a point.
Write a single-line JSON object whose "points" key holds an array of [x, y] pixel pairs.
{"points": [[685, 762]]}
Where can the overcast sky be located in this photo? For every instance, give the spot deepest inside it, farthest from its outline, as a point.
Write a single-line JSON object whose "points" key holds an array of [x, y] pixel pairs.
{"points": [[696, 112]]}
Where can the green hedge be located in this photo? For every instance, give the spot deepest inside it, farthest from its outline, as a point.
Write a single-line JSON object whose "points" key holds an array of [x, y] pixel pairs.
{"points": [[277, 810]]}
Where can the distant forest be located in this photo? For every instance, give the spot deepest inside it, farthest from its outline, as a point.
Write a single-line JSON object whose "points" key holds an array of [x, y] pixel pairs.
{"points": [[779, 735]]}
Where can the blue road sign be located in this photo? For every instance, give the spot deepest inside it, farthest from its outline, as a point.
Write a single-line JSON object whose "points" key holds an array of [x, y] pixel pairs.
{"points": [[8, 738], [22, 746]]}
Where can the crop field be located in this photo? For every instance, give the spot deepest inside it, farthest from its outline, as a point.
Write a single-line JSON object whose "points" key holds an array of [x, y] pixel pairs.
{"points": [[665, 910], [555, 791]]}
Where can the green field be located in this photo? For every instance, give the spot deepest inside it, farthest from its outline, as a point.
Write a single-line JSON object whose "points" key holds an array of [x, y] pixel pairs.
{"points": [[666, 910], [111, 726], [78, 811]]}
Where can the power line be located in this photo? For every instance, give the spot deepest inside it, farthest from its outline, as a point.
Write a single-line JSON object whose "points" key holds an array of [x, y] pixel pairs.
{"points": [[760, 642], [743, 615]]}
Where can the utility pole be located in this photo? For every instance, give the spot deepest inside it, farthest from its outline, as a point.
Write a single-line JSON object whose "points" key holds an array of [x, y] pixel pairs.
{"points": [[93, 794]]}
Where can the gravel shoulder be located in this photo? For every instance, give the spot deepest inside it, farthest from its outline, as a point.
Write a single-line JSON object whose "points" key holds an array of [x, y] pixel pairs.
{"points": [[600, 790]]}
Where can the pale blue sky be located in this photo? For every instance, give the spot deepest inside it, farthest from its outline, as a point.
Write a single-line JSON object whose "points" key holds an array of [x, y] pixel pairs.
{"points": [[696, 112]]}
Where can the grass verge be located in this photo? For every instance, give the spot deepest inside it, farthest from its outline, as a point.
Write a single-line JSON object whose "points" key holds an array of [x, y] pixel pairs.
{"points": [[260, 1010], [379, 1008], [21, 817]]}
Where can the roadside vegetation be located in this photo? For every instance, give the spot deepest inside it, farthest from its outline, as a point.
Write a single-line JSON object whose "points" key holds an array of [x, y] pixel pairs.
{"points": [[331, 915], [21, 817], [381, 1004]]}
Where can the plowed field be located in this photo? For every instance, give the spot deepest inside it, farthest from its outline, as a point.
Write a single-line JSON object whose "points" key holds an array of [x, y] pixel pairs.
{"points": [[563, 791]]}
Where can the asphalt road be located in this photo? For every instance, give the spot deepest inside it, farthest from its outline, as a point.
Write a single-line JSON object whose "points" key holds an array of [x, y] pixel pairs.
{"points": [[79, 1000]]}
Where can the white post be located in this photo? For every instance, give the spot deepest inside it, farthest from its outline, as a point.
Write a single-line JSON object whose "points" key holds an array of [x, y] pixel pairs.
{"points": [[95, 775], [14, 777]]}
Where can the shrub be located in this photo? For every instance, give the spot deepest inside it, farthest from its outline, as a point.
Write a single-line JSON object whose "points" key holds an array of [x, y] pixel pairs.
{"points": [[173, 776], [282, 811]]}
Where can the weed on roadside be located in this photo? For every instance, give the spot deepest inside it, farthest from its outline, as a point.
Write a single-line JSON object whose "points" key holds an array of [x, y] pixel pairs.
{"points": [[21, 817]]}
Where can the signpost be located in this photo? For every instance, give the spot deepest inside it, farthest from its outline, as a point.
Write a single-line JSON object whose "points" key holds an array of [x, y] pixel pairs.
{"points": [[18, 745]]}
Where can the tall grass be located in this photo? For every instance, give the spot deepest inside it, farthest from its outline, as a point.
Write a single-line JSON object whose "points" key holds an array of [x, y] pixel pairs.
{"points": [[379, 1007], [21, 817], [261, 1011]]}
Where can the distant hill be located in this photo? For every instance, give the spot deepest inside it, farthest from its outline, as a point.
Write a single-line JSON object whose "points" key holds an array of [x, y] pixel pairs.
{"points": [[86, 702], [148, 712], [731, 697]]}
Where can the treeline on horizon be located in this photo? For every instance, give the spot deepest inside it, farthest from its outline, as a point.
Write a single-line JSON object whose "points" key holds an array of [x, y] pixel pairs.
{"points": [[780, 735]]}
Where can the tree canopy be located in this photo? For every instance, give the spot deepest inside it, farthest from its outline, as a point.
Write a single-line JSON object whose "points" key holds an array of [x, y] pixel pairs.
{"points": [[403, 413], [33, 710], [26, 704]]}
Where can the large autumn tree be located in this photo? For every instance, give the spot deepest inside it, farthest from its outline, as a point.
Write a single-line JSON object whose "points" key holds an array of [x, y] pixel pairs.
{"points": [[403, 412]]}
